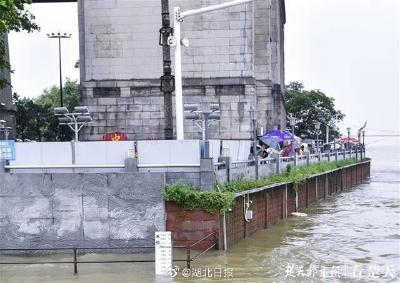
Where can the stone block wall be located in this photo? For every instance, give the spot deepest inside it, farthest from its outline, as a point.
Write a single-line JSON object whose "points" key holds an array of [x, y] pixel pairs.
{"points": [[7, 111], [234, 59], [80, 210]]}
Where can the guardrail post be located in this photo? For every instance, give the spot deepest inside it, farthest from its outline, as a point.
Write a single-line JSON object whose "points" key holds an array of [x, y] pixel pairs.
{"points": [[75, 262], [256, 166], [278, 163], [131, 165], [207, 177], [227, 161], [188, 257], [319, 156]]}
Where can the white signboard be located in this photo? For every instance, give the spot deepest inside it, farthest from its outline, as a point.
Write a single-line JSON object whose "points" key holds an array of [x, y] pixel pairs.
{"points": [[163, 253]]}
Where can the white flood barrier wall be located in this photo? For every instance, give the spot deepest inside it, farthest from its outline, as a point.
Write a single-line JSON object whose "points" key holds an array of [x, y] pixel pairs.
{"points": [[152, 153]]}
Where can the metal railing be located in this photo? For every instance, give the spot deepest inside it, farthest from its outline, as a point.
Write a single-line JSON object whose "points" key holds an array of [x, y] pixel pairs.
{"points": [[167, 165], [189, 259], [75, 254]]}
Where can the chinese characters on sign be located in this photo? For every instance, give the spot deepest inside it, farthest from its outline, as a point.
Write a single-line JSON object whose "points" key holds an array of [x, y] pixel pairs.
{"points": [[202, 272], [7, 149], [116, 136], [357, 271]]}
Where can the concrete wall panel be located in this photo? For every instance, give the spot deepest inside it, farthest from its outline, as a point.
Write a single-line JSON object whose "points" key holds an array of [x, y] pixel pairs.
{"points": [[80, 209]]}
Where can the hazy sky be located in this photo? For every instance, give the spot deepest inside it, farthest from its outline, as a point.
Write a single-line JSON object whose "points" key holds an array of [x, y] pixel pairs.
{"points": [[350, 49]]}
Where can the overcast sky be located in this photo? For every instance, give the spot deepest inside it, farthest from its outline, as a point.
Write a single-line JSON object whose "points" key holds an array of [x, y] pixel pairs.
{"points": [[347, 48]]}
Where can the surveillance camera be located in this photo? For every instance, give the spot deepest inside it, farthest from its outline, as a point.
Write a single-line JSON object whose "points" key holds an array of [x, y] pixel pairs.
{"points": [[171, 41], [185, 42]]}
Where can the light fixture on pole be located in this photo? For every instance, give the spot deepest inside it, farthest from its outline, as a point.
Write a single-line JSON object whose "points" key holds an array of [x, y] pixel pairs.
{"points": [[203, 113], [76, 120], [317, 127], [5, 129], [59, 36], [292, 122], [177, 41]]}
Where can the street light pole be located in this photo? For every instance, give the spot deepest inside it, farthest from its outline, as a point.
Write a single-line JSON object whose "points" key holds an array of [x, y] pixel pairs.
{"points": [[292, 123], [363, 143], [348, 138], [317, 127], [59, 36], [177, 41]]}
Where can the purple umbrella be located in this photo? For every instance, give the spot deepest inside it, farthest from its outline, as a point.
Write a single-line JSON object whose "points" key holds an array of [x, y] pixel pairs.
{"points": [[279, 135]]}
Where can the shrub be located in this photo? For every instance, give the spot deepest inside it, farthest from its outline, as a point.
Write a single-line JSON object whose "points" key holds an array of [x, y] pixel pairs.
{"points": [[222, 198]]}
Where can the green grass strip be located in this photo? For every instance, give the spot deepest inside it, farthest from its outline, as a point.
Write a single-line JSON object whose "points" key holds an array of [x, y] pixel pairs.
{"points": [[222, 198]]}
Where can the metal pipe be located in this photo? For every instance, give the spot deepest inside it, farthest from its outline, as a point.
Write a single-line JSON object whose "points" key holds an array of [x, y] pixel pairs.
{"points": [[225, 239], [188, 259], [166, 79], [213, 8], [242, 161], [166, 165]]}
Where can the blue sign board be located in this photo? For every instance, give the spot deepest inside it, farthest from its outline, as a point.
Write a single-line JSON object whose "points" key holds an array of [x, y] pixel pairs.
{"points": [[7, 149]]}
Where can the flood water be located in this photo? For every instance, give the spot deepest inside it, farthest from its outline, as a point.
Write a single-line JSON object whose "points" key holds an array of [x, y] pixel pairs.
{"points": [[351, 237]]}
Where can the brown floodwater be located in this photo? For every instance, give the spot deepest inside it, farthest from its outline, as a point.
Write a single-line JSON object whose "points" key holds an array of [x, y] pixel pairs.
{"points": [[350, 237]]}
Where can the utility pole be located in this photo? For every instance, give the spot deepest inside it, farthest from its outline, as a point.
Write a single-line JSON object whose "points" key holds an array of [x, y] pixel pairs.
{"points": [[167, 79]]}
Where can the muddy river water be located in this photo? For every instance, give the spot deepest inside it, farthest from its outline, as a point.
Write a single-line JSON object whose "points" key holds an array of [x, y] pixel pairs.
{"points": [[350, 237]]}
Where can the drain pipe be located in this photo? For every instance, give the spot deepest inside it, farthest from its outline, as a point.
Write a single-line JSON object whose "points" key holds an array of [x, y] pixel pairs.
{"points": [[167, 79]]}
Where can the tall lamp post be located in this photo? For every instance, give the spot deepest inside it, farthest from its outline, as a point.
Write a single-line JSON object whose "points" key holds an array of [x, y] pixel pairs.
{"points": [[176, 40], [363, 142], [317, 127], [348, 138], [292, 122], [59, 36]]}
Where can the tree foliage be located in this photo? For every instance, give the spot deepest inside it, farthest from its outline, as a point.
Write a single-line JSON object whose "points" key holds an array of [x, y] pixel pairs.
{"points": [[309, 106], [35, 118], [13, 17]]}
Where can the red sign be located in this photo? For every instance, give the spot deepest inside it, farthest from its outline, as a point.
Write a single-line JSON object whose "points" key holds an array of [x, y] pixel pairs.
{"points": [[116, 136]]}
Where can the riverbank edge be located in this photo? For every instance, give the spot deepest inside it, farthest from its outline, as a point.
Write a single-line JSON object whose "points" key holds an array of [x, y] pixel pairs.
{"points": [[267, 205]]}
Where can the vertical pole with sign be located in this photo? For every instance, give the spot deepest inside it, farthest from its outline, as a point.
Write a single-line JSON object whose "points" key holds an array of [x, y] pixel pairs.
{"points": [[163, 254]]}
